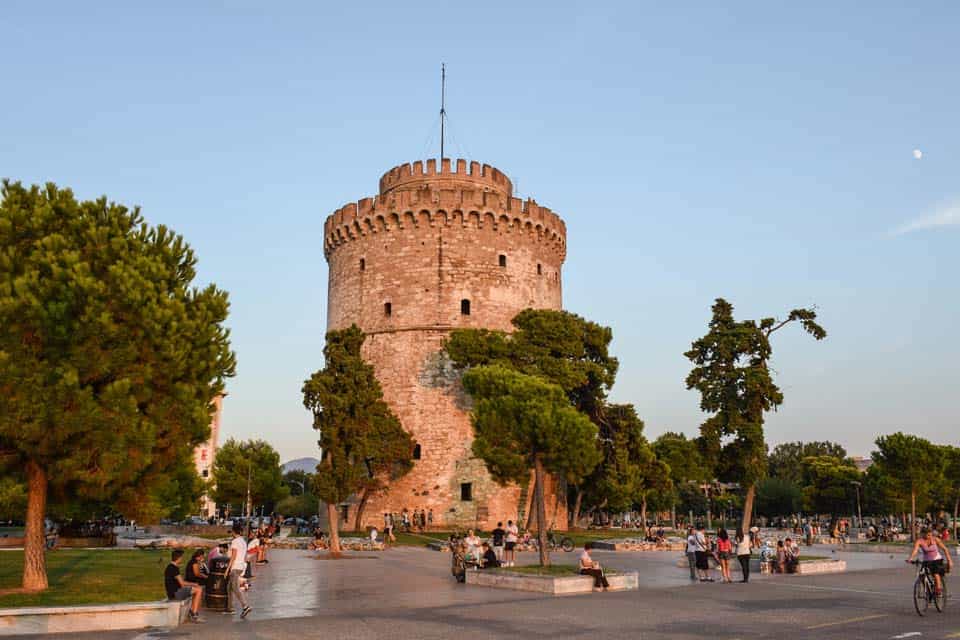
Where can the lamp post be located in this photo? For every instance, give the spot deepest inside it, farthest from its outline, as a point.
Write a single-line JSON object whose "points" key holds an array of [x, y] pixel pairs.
{"points": [[857, 486]]}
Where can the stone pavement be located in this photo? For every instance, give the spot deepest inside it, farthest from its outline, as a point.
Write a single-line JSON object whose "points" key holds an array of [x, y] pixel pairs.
{"points": [[409, 593]]}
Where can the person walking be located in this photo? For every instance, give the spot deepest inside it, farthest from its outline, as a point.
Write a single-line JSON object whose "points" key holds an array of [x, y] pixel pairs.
{"points": [[743, 553], [692, 553], [236, 568], [724, 552]]}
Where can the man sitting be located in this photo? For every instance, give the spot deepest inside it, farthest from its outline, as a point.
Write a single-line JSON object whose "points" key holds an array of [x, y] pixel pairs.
{"points": [[489, 558], [179, 589]]}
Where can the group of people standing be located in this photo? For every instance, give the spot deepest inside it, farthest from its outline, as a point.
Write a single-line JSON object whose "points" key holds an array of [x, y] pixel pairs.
{"points": [[701, 547], [237, 559], [419, 520]]}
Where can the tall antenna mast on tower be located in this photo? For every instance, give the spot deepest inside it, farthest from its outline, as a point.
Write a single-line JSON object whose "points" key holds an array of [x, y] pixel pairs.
{"points": [[443, 103]]}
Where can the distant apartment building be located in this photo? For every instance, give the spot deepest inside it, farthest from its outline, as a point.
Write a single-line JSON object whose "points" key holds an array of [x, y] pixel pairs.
{"points": [[203, 458]]}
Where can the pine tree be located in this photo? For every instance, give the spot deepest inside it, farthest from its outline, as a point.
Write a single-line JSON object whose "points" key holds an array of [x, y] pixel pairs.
{"points": [[361, 440], [109, 356]]}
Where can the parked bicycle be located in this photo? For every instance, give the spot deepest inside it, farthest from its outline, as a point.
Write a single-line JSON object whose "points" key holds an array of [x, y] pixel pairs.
{"points": [[554, 542], [925, 589]]}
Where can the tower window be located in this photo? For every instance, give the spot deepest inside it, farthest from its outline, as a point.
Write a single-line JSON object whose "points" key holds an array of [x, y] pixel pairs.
{"points": [[466, 491], [539, 269], [206, 473], [503, 260], [387, 309], [363, 264], [416, 451], [464, 307]]}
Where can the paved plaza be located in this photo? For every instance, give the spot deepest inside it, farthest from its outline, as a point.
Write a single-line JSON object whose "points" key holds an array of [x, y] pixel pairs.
{"points": [[409, 593]]}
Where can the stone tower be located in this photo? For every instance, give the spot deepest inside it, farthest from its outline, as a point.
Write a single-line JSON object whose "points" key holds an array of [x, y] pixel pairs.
{"points": [[438, 250]]}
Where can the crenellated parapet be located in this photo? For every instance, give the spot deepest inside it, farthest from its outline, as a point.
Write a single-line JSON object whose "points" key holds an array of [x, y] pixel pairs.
{"points": [[398, 210], [461, 175]]}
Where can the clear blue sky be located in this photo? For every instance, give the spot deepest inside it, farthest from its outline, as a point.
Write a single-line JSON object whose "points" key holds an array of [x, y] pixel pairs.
{"points": [[761, 153]]}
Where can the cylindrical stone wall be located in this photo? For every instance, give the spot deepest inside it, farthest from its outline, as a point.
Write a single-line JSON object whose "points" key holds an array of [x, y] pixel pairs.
{"points": [[451, 249]]}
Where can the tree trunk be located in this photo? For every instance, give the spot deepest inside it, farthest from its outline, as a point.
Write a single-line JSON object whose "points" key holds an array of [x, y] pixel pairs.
{"points": [[34, 539], [333, 517], [578, 503], [531, 503], [541, 512], [956, 512], [913, 515], [643, 515], [673, 516], [358, 520], [748, 507]]}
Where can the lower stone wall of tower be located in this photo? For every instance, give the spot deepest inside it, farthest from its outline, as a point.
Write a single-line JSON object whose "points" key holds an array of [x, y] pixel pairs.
{"points": [[424, 391]]}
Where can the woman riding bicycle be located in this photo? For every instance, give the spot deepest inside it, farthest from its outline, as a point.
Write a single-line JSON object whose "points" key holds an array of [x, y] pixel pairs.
{"points": [[930, 546]]}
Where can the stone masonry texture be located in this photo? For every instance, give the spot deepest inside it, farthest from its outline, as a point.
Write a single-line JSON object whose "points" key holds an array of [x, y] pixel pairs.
{"points": [[406, 266]]}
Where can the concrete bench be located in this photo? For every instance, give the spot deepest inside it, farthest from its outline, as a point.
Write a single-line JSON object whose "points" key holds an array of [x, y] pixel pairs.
{"points": [[556, 585], [131, 615]]}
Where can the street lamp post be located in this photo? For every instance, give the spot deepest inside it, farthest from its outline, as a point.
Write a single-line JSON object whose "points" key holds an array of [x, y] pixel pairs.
{"points": [[857, 486]]}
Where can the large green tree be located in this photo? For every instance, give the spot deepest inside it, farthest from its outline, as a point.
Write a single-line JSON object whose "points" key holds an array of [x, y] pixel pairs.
{"points": [[786, 460], [110, 356], [361, 440], [951, 482], [683, 459], [732, 374], [778, 497], [523, 423], [828, 485], [247, 465], [557, 346], [909, 466], [629, 473]]}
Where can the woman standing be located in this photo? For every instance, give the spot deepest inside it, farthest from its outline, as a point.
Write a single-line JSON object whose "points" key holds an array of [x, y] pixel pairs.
{"points": [[743, 553], [724, 552]]}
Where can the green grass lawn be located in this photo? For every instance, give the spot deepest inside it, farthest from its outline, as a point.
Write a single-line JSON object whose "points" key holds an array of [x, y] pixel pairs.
{"points": [[79, 576], [552, 570]]}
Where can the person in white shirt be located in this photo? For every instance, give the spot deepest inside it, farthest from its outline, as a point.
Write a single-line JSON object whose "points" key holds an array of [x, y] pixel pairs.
{"points": [[590, 568], [473, 545], [692, 553], [510, 549], [238, 564]]}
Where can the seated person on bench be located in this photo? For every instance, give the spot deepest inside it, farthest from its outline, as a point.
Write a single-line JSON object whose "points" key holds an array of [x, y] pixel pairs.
{"points": [[489, 558]]}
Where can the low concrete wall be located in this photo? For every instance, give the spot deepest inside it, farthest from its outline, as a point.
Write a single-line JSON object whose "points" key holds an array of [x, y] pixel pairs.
{"points": [[634, 545], [62, 543], [555, 585], [139, 615], [821, 566]]}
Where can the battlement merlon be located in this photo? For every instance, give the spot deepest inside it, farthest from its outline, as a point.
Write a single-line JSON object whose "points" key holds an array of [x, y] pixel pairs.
{"points": [[413, 175], [401, 204]]}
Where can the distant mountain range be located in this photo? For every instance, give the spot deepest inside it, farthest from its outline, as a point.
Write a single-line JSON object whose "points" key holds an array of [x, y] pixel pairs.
{"points": [[308, 465]]}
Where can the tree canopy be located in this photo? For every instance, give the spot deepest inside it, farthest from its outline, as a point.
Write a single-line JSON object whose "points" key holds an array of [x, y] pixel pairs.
{"points": [[558, 346], [361, 440], [110, 357], [523, 423], [786, 460], [907, 468], [237, 462], [731, 372], [828, 485]]}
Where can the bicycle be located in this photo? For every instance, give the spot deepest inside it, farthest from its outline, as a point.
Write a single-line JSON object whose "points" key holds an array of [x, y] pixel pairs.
{"points": [[553, 542], [925, 590]]}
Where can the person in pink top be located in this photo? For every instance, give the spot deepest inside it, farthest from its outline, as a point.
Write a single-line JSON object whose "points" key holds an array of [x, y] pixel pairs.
{"points": [[930, 545], [724, 553]]}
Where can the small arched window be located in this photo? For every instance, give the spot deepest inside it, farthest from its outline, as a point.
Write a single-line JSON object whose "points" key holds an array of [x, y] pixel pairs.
{"points": [[387, 309], [539, 269], [416, 451], [363, 264], [503, 260], [464, 307]]}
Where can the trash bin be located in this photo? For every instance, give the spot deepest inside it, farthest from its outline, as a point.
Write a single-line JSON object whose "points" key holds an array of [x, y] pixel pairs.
{"points": [[217, 583]]}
